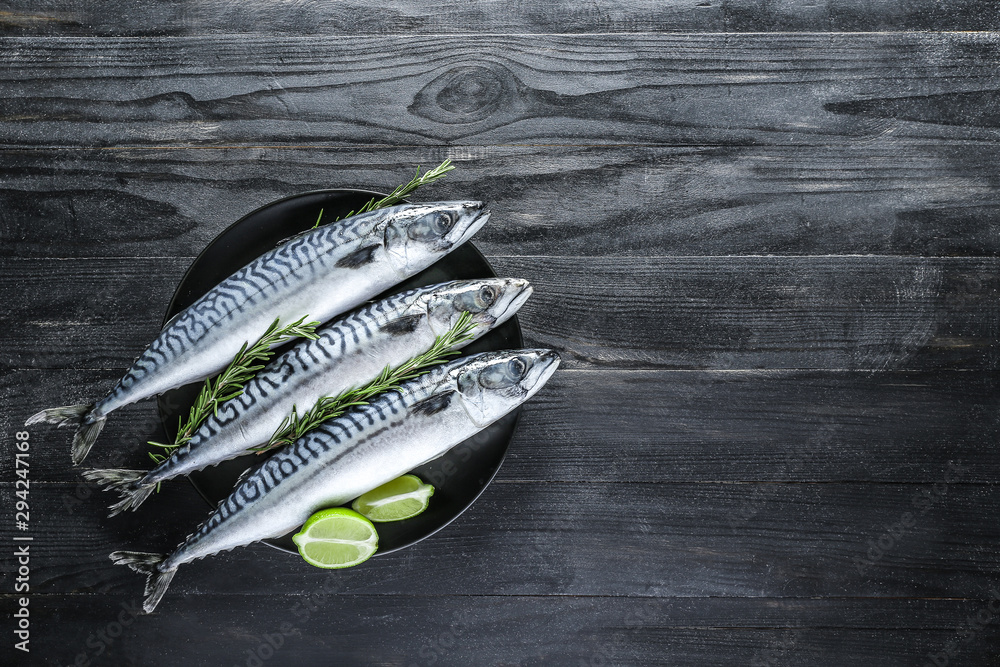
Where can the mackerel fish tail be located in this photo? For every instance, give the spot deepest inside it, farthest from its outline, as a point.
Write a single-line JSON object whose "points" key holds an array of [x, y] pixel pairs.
{"points": [[148, 564], [128, 484], [82, 416]]}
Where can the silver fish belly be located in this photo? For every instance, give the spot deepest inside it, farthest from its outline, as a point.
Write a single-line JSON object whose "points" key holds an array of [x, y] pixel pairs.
{"points": [[352, 454], [319, 274], [347, 353]]}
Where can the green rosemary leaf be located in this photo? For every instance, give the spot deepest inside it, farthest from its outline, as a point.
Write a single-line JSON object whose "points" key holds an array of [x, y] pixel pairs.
{"points": [[295, 425], [401, 192], [229, 383]]}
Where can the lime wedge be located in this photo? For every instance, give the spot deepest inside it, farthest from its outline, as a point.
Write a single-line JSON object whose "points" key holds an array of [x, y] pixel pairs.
{"points": [[402, 498], [336, 538]]}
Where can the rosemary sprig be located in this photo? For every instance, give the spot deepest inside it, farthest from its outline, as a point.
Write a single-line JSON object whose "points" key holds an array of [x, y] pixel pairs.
{"points": [[400, 192], [295, 425], [229, 384]]}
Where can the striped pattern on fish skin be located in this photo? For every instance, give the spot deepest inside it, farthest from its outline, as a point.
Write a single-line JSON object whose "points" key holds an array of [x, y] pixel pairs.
{"points": [[356, 452], [346, 353], [318, 274]]}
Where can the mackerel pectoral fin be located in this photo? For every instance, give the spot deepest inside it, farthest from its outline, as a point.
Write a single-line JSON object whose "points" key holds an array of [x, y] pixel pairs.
{"points": [[148, 564], [358, 258], [432, 404], [405, 324]]}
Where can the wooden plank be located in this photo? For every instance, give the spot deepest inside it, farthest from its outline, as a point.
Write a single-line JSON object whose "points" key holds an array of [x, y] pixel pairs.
{"points": [[734, 90], [857, 312], [472, 630], [648, 426], [312, 17], [763, 312], [693, 540], [893, 196]]}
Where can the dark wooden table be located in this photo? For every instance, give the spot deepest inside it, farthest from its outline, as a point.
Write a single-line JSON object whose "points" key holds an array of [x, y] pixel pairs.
{"points": [[764, 237]]}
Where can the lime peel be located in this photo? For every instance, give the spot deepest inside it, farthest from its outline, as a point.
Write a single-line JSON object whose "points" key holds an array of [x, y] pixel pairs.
{"points": [[420, 494], [336, 538], [402, 498]]}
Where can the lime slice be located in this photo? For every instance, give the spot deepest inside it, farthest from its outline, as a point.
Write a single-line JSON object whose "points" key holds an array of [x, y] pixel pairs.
{"points": [[402, 498], [336, 538]]}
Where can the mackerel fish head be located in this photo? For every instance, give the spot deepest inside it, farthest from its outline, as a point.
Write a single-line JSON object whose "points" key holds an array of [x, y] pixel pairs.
{"points": [[417, 235], [489, 301], [494, 383]]}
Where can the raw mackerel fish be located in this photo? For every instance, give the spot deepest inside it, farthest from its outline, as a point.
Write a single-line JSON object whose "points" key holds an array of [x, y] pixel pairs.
{"points": [[356, 452], [347, 353], [318, 274]]}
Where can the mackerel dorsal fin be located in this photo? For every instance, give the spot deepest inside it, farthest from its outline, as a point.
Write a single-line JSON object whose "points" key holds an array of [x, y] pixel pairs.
{"points": [[171, 321], [293, 237], [243, 475]]}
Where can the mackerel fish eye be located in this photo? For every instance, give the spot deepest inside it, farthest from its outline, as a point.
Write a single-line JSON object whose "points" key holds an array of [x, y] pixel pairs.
{"points": [[516, 369], [443, 221], [485, 297], [431, 226], [475, 302], [499, 376]]}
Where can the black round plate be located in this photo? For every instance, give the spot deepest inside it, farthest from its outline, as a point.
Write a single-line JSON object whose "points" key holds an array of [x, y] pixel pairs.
{"points": [[460, 475]]}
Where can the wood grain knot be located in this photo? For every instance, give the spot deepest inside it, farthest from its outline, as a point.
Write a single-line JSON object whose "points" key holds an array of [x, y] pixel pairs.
{"points": [[465, 94]]}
